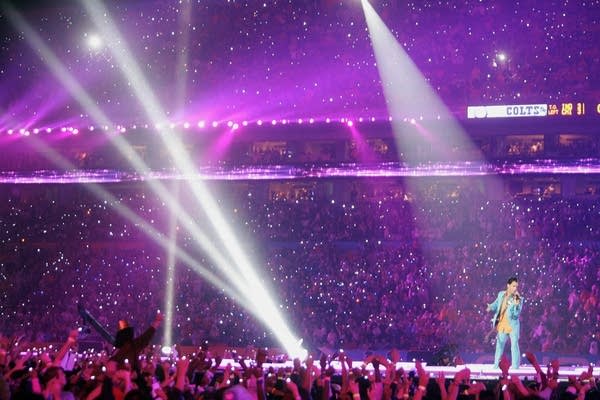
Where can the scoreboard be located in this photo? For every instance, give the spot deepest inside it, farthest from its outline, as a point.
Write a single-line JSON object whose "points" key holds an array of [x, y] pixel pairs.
{"points": [[564, 109]]}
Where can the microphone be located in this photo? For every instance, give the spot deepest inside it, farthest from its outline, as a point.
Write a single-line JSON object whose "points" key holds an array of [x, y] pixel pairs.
{"points": [[517, 296]]}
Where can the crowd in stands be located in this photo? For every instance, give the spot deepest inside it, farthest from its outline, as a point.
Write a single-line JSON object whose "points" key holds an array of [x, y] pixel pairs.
{"points": [[315, 58], [414, 271]]}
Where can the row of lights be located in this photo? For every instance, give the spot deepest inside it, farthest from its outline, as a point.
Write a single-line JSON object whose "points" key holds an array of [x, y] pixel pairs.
{"points": [[201, 124]]}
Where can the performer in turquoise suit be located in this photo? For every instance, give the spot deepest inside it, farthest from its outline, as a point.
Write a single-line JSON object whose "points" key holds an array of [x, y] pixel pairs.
{"points": [[507, 309]]}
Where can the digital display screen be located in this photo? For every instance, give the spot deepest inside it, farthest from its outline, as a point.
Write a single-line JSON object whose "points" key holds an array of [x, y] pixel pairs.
{"points": [[563, 109]]}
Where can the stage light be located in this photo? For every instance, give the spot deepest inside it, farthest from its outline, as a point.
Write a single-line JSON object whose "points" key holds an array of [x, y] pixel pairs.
{"points": [[350, 123], [259, 122], [229, 124], [501, 57], [10, 131], [48, 130], [311, 121], [245, 123], [327, 120], [92, 128], [201, 124], [36, 131], [235, 126], [94, 41], [186, 125], [215, 124], [63, 129], [300, 120], [75, 131]]}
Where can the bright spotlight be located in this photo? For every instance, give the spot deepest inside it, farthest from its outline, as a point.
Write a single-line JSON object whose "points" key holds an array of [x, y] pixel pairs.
{"points": [[166, 350], [501, 57], [94, 41], [350, 123]]}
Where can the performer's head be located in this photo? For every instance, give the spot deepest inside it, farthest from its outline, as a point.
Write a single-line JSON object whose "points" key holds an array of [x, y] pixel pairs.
{"points": [[512, 285]]}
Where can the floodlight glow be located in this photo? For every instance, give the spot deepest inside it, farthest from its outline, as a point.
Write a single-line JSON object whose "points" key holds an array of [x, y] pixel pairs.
{"points": [[350, 123], [186, 125], [300, 120], [259, 122], [10, 131], [94, 41], [312, 120], [215, 124], [201, 124], [229, 124], [36, 131]]}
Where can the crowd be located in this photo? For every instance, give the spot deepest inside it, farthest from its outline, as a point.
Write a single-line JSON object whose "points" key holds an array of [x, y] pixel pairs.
{"points": [[203, 376], [308, 58], [414, 271]]}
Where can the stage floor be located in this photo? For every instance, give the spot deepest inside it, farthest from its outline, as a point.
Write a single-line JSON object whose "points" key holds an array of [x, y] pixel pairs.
{"points": [[478, 371]]}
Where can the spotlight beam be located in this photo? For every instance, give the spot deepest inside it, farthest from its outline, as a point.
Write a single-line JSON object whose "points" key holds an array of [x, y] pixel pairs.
{"points": [[171, 258], [264, 305], [185, 18], [409, 95], [60, 72]]}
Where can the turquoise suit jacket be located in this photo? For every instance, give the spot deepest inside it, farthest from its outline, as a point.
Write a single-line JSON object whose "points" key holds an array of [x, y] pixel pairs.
{"points": [[513, 311]]}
